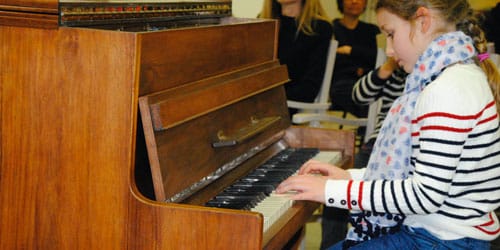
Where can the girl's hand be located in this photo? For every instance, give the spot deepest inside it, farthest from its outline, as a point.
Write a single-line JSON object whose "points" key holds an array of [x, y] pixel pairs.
{"points": [[386, 69], [310, 182], [345, 49], [325, 169], [304, 187]]}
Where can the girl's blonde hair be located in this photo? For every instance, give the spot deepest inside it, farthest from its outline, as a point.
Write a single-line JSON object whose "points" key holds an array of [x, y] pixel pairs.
{"points": [[456, 12], [311, 10]]}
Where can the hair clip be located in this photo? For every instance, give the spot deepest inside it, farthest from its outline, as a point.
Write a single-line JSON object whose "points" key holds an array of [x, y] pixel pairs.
{"points": [[483, 56]]}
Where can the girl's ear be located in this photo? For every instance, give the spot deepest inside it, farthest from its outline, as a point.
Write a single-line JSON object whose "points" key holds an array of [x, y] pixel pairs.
{"points": [[423, 18]]}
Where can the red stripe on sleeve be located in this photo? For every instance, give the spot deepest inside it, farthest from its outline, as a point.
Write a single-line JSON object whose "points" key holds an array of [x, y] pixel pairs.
{"points": [[489, 223], [349, 185], [360, 195]]}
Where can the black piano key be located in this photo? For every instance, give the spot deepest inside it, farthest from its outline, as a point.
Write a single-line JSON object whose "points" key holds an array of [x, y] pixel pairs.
{"points": [[237, 201], [258, 184], [228, 204], [248, 189]]}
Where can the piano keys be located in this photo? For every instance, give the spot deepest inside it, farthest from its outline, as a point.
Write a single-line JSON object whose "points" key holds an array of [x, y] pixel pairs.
{"points": [[111, 135], [255, 191]]}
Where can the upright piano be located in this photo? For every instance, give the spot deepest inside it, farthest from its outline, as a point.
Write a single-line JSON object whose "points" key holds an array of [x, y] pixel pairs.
{"points": [[147, 125]]}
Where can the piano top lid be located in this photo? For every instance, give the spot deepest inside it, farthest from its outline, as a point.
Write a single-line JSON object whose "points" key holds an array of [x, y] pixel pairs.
{"points": [[123, 15], [91, 13], [53, 4]]}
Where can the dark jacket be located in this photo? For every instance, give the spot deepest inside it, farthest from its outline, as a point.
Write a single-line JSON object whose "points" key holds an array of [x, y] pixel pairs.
{"points": [[305, 57]]}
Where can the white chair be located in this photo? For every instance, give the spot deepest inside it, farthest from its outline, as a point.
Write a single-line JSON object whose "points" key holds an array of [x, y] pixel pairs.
{"points": [[322, 101], [315, 118], [374, 108]]}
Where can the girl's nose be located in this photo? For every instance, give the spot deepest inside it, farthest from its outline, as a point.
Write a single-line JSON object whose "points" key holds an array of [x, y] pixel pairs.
{"points": [[389, 51]]}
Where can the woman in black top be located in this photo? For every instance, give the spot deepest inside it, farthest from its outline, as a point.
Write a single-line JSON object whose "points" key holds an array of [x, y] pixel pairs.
{"points": [[304, 36], [356, 54]]}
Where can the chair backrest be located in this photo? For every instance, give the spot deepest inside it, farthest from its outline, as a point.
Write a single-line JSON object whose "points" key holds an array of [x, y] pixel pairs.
{"points": [[381, 57], [324, 92], [321, 103], [314, 118], [374, 108]]}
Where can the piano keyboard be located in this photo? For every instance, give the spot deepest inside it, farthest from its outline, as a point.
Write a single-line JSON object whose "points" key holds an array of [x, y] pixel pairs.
{"points": [[255, 192]]}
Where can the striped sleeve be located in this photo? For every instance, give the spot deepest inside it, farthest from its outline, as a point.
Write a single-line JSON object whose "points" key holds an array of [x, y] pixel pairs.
{"points": [[367, 89], [371, 88]]}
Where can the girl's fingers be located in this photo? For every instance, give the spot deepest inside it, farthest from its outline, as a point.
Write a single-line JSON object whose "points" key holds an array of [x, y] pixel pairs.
{"points": [[303, 187]]}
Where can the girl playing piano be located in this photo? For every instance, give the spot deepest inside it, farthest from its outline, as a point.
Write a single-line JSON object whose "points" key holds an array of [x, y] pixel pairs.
{"points": [[433, 177]]}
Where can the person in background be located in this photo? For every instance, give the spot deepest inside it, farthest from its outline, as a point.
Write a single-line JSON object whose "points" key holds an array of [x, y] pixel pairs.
{"points": [[385, 83], [356, 54], [433, 178], [304, 38]]}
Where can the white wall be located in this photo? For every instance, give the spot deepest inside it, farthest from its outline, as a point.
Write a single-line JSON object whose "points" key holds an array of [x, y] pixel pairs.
{"points": [[251, 8], [483, 4], [247, 8]]}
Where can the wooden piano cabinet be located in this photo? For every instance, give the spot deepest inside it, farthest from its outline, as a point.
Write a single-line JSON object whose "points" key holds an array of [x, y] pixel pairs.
{"points": [[69, 102], [68, 126], [176, 226], [66, 139]]}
